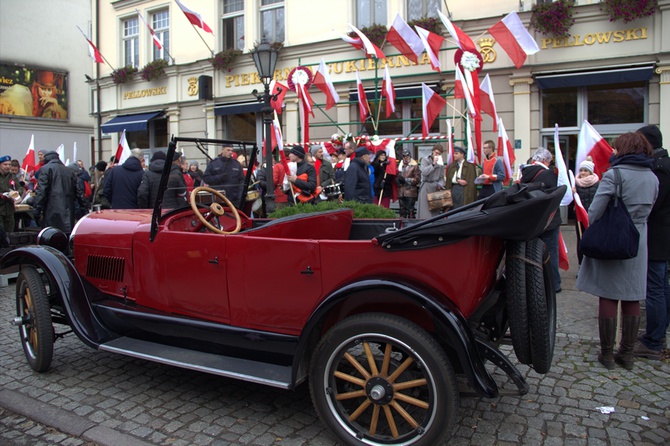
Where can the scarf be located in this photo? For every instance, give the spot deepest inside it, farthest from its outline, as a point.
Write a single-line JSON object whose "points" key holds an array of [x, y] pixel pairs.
{"points": [[587, 181], [636, 159]]}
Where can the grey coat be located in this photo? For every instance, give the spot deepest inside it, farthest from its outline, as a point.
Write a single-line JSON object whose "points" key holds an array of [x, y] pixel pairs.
{"points": [[621, 279], [432, 178]]}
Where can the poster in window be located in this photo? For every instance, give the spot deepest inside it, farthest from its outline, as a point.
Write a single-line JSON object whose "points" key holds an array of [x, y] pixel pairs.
{"points": [[33, 92]]}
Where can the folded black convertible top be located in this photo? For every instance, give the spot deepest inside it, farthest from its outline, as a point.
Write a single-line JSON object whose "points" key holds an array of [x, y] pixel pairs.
{"points": [[520, 212]]}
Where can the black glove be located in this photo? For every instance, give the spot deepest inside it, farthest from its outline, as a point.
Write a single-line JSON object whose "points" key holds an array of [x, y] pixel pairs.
{"points": [[401, 180]]}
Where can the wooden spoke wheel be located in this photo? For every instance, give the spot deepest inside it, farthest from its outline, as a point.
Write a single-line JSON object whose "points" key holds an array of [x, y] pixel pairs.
{"points": [[216, 210], [34, 319]]}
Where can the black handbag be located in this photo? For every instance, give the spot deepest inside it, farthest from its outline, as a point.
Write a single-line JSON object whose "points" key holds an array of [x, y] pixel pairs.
{"points": [[614, 235]]}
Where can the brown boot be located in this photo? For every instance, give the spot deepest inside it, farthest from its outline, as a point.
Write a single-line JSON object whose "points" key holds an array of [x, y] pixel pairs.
{"points": [[607, 330], [629, 327]]}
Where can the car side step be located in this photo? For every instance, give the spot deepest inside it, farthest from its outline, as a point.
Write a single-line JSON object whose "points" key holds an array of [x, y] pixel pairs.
{"points": [[242, 369]]}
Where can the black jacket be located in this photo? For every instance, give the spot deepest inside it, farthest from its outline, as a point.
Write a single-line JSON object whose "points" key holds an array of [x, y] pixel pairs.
{"points": [[357, 182], [122, 183], [226, 174], [539, 174], [306, 187], [175, 193], [658, 225], [148, 190]]}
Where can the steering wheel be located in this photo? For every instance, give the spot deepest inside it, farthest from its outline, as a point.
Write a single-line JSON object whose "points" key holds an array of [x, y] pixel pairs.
{"points": [[215, 210]]}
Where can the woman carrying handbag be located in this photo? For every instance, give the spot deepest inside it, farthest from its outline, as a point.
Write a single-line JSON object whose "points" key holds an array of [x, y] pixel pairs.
{"points": [[624, 281]]}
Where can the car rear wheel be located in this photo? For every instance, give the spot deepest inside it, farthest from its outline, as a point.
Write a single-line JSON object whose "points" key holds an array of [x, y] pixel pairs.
{"points": [[378, 379], [34, 319], [517, 308]]}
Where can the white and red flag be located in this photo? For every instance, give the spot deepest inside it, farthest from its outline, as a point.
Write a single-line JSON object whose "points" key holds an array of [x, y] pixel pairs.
{"points": [[431, 43], [28, 164], [580, 211], [194, 18], [278, 89], [322, 82], [450, 143], [463, 90], [470, 157], [488, 103], [388, 92], [563, 262], [590, 143], [405, 39], [93, 51], [154, 37], [277, 138], [363, 106], [432, 105], [370, 49], [505, 151], [462, 40], [514, 38], [563, 178], [356, 42], [305, 104], [123, 150]]}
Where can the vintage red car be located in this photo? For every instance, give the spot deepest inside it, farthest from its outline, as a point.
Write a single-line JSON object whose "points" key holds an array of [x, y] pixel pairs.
{"points": [[380, 318]]}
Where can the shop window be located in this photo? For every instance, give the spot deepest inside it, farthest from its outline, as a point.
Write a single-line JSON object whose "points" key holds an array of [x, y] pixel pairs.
{"points": [[154, 137], [160, 22], [559, 105], [241, 127], [233, 24], [131, 42], [272, 20], [417, 9], [370, 12]]}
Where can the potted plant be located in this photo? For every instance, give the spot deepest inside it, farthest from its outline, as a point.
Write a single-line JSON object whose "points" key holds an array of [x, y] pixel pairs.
{"points": [[432, 24], [223, 60], [628, 10], [153, 70], [376, 34], [553, 18], [123, 74]]}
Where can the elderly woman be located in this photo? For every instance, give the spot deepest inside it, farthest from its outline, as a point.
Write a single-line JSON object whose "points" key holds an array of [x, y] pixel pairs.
{"points": [[432, 179], [624, 281]]}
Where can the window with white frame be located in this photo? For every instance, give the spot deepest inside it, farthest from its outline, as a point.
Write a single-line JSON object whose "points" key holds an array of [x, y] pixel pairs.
{"points": [[272, 20], [233, 24], [131, 42], [417, 9], [370, 12], [160, 22]]}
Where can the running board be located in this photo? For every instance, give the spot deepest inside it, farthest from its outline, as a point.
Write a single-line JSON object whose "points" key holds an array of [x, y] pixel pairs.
{"points": [[236, 368]]}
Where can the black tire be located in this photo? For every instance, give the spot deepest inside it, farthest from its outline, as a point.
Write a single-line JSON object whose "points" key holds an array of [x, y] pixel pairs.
{"points": [[36, 331], [517, 309], [342, 381], [541, 305]]}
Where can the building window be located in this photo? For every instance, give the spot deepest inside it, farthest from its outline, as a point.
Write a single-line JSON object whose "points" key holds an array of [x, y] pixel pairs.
{"points": [[272, 20], [160, 22], [417, 9], [233, 24], [370, 12], [131, 42]]}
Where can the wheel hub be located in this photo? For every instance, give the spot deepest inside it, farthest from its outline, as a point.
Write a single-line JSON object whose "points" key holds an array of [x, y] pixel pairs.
{"points": [[379, 390]]}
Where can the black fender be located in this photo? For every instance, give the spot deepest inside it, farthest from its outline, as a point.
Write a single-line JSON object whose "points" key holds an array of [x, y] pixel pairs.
{"points": [[71, 290], [451, 328]]}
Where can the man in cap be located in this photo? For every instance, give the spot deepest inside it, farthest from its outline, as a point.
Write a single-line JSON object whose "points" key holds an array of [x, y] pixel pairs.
{"points": [[408, 179], [227, 174], [461, 177], [357, 177], [123, 181], [303, 182]]}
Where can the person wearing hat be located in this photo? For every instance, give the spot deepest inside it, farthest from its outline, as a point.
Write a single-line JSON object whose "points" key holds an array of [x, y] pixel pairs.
{"points": [[99, 198], [123, 181], [147, 192], [7, 185], [195, 173], [175, 195], [408, 179], [45, 90], [586, 186], [227, 174], [657, 299], [303, 182], [357, 177], [432, 179], [461, 177]]}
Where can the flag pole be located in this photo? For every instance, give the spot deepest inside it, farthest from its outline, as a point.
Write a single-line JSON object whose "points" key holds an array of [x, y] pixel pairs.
{"points": [[455, 111], [203, 40], [103, 57]]}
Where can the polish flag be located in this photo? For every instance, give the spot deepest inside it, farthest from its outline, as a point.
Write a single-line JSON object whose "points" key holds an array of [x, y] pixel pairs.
{"points": [[28, 164], [279, 90], [123, 150], [563, 262], [506, 151], [388, 92], [432, 105], [563, 178], [194, 18], [450, 143], [462, 40], [363, 106], [356, 42], [322, 82], [305, 109], [590, 143], [60, 150], [370, 49], [488, 103], [93, 51], [514, 38], [470, 157], [155, 38], [580, 211], [464, 90], [277, 138], [405, 39], [431, 43]]}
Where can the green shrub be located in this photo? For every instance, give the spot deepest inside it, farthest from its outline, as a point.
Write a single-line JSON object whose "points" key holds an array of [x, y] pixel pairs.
{"points": [[361, 210]]}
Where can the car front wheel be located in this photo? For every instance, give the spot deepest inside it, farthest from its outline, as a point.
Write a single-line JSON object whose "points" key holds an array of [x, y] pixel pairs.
{"points": [[34, 319], [379, 379]]}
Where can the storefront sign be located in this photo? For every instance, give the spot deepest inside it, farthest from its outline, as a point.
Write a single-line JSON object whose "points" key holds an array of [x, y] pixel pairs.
{"points": [[599, 38], [144, 93]]}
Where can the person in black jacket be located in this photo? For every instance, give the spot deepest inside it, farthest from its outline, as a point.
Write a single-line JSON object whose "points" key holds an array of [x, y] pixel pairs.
{"points": [[303, 182], [357, 178], [148, 190], [540, 172], [175, 194], [122, 182], [226, 173]]}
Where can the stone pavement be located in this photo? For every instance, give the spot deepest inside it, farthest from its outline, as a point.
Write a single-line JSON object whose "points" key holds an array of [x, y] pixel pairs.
{"points": [[91, 397]]}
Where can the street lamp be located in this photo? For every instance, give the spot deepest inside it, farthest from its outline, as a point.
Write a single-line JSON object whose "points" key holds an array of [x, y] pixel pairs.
{"points": [[265, 58]]}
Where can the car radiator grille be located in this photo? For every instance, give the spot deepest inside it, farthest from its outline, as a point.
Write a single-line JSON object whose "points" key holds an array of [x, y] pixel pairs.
{"points": [[105, 267]]}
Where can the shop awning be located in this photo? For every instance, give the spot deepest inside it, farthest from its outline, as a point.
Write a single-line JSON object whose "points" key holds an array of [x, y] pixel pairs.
{"points": [[237, 109], [599, 77], [131, 123]]}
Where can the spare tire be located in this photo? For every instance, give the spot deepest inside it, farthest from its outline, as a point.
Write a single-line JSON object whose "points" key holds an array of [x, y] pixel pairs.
{"points": [[541, 303], [517, 310]]}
